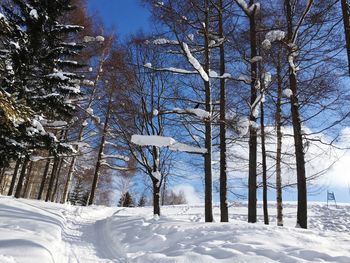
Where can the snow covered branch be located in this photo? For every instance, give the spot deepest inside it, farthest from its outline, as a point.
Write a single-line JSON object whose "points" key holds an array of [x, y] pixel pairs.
{"points": [[161, 141]]}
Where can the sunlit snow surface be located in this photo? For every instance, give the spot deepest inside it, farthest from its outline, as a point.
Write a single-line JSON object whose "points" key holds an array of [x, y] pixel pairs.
{"points": [[32, 231]]}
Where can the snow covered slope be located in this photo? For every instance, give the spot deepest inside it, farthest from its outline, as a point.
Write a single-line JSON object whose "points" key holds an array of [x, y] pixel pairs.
{"points": [[32, 231]]}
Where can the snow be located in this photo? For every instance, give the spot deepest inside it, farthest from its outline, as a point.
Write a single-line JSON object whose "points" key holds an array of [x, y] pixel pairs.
{"points": [[164, 41], [272, 36], [194, 62], [248, 10], [152, 140], [34, 14], [100, 39], [198, 112], [287, 93], [15, 44], [161, 141], [255, 59], [35, 231]]}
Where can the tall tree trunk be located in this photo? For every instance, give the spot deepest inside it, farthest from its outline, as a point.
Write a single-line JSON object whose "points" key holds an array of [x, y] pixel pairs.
{"points": [[346, 21], [279, 204], [156, 197], [208, 129], [28, 182], [100, 153], [69, 175], [52, 179], [57, 179], [2, 176], [298, 140], [21, 178], [43, 179], [252, 129], [14, 177], [164, 190], [264, 166], [223, 162]]}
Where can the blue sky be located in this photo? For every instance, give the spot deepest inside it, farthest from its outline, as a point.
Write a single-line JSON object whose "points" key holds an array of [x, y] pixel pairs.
{"points": [[126, 16]]}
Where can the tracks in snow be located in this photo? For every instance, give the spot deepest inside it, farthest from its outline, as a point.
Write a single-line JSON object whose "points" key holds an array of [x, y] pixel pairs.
{"points": [[86, 238]]}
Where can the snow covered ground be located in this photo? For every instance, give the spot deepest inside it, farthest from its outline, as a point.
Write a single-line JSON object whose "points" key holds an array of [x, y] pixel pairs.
{"points": [[32, 231]]}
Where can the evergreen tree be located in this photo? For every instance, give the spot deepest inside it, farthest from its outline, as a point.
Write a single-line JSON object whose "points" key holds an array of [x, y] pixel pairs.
{"points": [[79, 195], [142, 201], [126, 200], [37, 75]]}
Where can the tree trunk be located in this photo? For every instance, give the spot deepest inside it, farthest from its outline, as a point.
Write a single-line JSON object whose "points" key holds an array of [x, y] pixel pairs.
{"points": [[252, 129], [223, 162], [57, 179], [279, 203], [264, 166], [52, 179], [28, 182], [43, 180], [346, 21], [68, 180], [298, 140], [21, 178], [156, 197], [2, 175], [208, 129], [14, 178], [100, 153]]}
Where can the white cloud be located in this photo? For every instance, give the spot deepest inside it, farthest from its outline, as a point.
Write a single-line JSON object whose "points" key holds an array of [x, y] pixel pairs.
{"points": [[191, 195], [331, 163]]}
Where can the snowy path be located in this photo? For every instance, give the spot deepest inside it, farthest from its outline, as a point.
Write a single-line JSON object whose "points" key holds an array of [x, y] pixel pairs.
{"points": [[86, 238]]}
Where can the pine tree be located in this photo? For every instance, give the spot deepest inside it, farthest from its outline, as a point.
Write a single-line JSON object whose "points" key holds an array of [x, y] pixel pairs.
{"points": [[78, 196], [37, 75], [142, 201], [126, 200]]}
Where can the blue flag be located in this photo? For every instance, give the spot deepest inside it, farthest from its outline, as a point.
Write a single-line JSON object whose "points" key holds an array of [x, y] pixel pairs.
{"points": [[330, 196]]}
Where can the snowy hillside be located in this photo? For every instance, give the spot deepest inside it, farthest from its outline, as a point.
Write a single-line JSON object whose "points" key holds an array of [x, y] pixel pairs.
{"points": [[32, 231]]}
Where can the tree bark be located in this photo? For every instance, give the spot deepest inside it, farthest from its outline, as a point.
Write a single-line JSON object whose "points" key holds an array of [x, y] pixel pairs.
{"points": [[252, 130], [279, 204], [43, 180], [57, 179], [156, 198], [223, 162], [298, 140], [28, 183], [208, 129], [264, 166], [69, 178], [52, 179], [346, 22], [21, 178], [2, 175], [14, 178]]}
